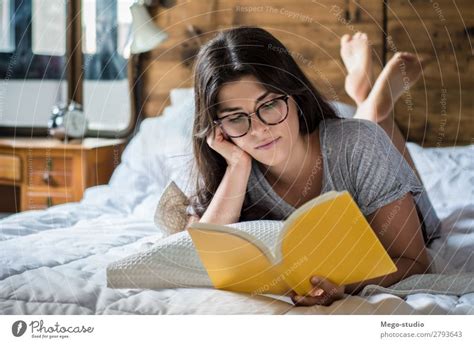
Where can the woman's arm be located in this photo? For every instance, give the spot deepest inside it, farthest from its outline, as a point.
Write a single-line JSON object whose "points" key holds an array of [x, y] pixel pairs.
{"points": [[226, 205]]}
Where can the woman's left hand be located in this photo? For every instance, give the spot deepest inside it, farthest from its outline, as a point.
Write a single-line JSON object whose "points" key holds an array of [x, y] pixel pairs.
{"points": [[323, 293]]}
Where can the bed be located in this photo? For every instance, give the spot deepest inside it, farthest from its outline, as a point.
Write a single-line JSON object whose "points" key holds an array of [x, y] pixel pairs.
{"points": [[54, 261]]}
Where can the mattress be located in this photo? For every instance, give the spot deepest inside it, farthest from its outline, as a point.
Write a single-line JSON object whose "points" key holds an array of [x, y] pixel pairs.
{"points": [[54, 261]]}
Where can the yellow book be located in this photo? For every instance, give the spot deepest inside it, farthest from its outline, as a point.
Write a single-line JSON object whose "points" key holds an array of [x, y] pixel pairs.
{"points": [[327, 236]]}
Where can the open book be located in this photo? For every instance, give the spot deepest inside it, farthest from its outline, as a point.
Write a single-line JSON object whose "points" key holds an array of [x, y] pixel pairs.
{"points": [[327, 236]]}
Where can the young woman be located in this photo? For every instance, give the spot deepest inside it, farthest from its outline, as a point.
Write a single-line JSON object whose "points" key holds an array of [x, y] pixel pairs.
{"points": [[265, 142]]}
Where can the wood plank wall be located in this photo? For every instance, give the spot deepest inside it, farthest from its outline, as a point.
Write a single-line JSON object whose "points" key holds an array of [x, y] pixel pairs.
{"points": [[312, 30], [438, 110]]}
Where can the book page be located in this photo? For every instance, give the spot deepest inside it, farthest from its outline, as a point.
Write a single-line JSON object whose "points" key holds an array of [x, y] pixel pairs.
{"points": [[265, 231]]}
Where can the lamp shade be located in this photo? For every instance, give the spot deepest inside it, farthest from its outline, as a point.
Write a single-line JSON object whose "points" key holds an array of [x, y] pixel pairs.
{"points": [[146, 34]]}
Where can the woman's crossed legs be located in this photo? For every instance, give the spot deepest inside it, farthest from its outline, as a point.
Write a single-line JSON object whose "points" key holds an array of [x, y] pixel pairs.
{"points": [[375, 100]]}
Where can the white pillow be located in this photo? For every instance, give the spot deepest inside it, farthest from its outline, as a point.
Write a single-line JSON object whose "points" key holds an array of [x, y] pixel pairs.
{"points": [[160, 151], [172, 263]]}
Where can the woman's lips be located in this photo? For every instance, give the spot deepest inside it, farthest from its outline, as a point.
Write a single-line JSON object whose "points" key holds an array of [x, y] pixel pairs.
{"points": [[268, 145]]}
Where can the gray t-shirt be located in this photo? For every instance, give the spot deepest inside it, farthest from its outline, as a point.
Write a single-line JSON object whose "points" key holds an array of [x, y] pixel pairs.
{"points": [[358, 156]]}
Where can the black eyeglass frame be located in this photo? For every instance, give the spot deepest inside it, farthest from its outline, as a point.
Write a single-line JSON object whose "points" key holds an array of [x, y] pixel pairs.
{"points": [[257, 111]]}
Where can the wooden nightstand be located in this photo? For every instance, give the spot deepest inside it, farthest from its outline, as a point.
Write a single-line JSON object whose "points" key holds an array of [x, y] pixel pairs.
{"points": [[36, 173]]}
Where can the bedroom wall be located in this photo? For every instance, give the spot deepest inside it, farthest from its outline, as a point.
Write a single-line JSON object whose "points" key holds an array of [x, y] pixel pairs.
{"points": [[436, 112]]}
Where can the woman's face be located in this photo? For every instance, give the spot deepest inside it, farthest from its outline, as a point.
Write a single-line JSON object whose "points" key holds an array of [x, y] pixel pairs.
{"points": [[245, 95]]}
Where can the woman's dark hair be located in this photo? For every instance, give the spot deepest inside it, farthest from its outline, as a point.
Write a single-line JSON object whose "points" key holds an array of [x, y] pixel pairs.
{"points": [[232, 54]]}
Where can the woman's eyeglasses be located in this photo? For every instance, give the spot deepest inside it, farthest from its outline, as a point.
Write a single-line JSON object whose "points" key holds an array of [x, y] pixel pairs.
{"points": [[271, 112]]}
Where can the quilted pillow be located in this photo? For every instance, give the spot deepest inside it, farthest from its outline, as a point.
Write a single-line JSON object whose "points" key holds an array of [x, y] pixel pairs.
{"points": [[172, 263]]}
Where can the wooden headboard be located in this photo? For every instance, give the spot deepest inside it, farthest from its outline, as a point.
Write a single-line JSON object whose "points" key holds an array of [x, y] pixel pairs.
{"points": [[437, 111]]}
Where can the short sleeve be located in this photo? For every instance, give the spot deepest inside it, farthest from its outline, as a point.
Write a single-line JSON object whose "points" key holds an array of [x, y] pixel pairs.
{"points": [[380, 173]]}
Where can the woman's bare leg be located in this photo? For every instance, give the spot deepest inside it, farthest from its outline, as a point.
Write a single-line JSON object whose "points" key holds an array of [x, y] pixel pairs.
{"points": [[398, 75], [402, 71]]}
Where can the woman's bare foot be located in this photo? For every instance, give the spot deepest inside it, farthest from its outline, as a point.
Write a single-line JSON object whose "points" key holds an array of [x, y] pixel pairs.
{"points": [[356, 55], [398, 75]]}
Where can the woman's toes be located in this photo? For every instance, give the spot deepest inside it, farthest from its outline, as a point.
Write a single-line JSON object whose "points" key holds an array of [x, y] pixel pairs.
{"points": [[397, 55], [345, 38], [407, 55]]}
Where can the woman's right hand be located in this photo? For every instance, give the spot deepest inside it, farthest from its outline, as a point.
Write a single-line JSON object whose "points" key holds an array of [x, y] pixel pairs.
{"points": [[233, 154]]}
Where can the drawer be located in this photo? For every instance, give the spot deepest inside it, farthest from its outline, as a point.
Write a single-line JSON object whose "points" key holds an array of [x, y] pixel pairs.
{"points": [[36, 200], [52, 172], [10, 167]]}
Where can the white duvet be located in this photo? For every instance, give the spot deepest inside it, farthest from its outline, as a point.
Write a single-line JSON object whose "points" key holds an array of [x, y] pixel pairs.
{"points": [[54, 261]]}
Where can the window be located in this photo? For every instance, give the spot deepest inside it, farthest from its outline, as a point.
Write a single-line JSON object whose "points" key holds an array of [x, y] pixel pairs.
{"points": [[33, 57], [106, 35], [7, 37], [32, 61]]}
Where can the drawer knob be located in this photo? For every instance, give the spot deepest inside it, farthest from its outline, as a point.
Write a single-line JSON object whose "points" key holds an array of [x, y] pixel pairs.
{"points": [[46, 177]]}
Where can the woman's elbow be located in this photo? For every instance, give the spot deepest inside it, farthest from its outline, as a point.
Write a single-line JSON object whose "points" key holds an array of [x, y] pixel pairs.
{"points": [[418, 266], [424, 265]]}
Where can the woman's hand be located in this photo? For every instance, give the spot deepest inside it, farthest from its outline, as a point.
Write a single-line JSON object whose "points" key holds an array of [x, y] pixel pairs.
{"points": [[233, 154], [323, 293]]}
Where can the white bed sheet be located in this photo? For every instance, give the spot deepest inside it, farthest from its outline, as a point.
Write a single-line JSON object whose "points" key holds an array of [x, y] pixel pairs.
{"points": [[54, 261]]}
